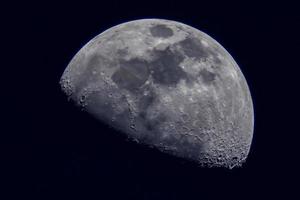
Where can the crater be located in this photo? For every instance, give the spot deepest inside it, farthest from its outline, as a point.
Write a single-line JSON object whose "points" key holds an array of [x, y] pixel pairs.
{"points": [[132, 74], [161, 30], [165, 68], [192, 47]]}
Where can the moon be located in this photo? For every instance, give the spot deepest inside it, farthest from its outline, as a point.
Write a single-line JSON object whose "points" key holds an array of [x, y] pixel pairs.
{"points": [[165, 85]]}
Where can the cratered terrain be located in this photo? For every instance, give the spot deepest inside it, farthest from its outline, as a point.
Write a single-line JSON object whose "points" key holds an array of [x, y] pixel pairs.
{"points": [[166, 85]]}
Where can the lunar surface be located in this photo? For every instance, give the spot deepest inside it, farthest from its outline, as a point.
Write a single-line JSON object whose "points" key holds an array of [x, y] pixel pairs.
{"points": [[166, 85]]}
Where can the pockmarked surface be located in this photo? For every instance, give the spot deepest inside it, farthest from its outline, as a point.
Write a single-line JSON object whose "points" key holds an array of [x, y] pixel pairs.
{"points": [[166, 85]]}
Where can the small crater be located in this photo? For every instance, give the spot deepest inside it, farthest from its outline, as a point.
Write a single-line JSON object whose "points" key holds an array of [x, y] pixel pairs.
{"points": [[132, 126], [161, 30], [235, 158], [82, 100]]}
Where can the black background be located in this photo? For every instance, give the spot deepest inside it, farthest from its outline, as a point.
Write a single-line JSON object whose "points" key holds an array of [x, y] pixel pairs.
{"points": [[50, 149]]}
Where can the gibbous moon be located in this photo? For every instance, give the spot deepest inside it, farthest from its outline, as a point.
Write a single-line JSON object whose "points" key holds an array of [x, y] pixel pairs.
{"points": [[166, 85]]}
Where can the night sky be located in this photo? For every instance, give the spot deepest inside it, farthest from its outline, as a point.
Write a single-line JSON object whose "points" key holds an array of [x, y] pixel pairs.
{"points": [[52, 150]]}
